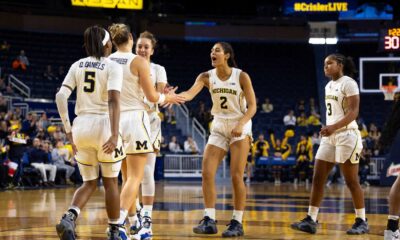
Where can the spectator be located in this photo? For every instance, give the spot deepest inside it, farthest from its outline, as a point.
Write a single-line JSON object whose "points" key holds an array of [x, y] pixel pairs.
{"points": [[39, 159], [15, 121], [202, 115], [43, 122], [3, 86], [267, 106], [315, 139], [42, 134], [301, 106], [374, 134], [170, 116], [48, 73], [163, 145], [3, 104], [260, 147], [302, 168], [190, 146], [17, 143], [314, 119], [9, 91], [21, 61], [5, 50], [313, 105], [365, 159], [59, 134], [174, 146], [61, 73], [280, 150], [29, 125], [302, 120], [290, 119], [18, 112], [59, 156]]}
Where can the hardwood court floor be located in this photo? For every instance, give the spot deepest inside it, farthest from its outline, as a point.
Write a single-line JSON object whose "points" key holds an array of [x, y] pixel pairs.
{"points": [[32, 214]]}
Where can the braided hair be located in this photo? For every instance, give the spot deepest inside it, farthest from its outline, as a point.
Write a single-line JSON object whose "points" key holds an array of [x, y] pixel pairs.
{"points": [[349, 68]]}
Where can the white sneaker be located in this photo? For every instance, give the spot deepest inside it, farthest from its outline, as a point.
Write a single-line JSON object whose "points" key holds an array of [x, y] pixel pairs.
{"points": [[145, 232], [389, 235]]}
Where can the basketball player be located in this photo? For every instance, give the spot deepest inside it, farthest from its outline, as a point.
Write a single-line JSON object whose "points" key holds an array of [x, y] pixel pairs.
{"points": [[388, 135], [94, 135], [145, 48], [340, 143], [230, 89], [135, 122]]}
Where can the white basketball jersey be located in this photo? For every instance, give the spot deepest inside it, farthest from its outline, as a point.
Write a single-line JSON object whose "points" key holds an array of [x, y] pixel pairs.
{"points": [[335, 100], [132, 96], [93, 78], [227, 96], [157, 75]]}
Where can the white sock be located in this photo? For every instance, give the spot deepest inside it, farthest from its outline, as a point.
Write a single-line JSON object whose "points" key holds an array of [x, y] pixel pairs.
{"points": [[393, 217], [138, 206], [210, 212], [360, 213], [147, 210], [132, 219], [113, 221], [76, 209], [237, 215], [122, 216], [313, 212]]}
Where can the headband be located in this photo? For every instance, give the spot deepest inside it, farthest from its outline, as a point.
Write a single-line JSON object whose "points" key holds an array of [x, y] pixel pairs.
{"points": [[106, 38]]}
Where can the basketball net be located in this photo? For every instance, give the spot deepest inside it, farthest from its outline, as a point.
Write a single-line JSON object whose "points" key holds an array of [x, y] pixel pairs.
{"points": [[389, 91]]}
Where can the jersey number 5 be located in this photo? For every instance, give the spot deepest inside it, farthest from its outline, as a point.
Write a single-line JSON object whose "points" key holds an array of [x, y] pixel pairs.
{"points": [[223, 102], [89, 79], [329, 109]]}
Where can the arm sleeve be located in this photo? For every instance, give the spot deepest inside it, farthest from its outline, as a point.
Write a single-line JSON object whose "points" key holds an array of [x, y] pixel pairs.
{"points": [[161, 75], [350, 88], [62, 106], [115, 77], [69, 80]]}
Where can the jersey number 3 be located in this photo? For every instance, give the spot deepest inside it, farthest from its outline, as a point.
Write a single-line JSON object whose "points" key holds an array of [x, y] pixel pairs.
{"points": [[89, 80], [329, 109], [223, 102]]}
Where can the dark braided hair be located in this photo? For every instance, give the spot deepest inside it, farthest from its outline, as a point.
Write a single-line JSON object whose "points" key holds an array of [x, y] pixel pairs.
{"points": [[349, 68], [392, 125], [93, 37]]}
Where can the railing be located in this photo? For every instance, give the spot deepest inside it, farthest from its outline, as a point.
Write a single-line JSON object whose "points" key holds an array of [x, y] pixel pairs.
{"points": [[376, 168], [19, 85], [182, 166], [199, 134], [182, 118]]}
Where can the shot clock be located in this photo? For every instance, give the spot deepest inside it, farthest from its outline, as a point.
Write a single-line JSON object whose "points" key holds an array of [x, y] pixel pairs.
{"points": [[389, 40]]}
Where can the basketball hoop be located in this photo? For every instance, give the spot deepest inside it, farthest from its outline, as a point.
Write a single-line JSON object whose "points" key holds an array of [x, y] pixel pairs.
{"points": [[389, 91]]}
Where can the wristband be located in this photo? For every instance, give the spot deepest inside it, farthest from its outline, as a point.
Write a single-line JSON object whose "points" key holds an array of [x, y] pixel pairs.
{"points": [[161, 99]]}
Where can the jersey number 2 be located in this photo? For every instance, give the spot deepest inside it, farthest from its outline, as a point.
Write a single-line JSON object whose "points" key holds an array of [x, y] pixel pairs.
{"points": [[223, 102], [329, 108], [89, 79]]}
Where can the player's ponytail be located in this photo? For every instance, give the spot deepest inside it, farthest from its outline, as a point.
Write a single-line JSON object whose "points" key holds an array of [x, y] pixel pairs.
{"points": [[349, 68], [119, 33], [228, 49], [93, 41]]}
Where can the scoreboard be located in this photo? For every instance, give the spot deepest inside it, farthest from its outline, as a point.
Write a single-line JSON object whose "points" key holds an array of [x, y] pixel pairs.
{"points": [[389, 39], [121, 4]]}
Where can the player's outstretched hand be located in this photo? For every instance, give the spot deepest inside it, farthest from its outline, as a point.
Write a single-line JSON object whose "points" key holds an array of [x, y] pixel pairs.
{"points": [[110, 145], [173, 98], [71, 141]]}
